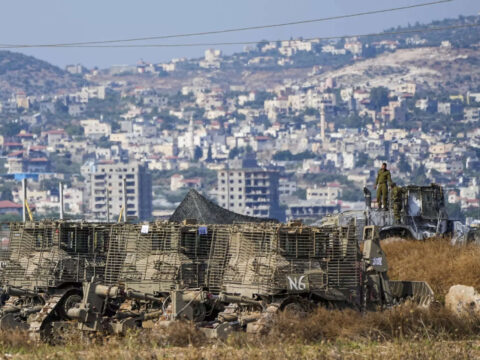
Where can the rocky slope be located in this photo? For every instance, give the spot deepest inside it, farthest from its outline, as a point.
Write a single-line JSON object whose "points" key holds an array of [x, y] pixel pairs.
{"points": [[22, 73]]}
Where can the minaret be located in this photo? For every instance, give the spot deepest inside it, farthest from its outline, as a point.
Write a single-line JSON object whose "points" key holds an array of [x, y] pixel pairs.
{"points": [[191, 142], [322, 122]]}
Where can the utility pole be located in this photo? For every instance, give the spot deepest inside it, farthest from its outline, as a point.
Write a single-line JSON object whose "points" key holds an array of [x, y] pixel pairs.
{"points": [[24, 192], [125, 199], [108, 205], [60, 195]]}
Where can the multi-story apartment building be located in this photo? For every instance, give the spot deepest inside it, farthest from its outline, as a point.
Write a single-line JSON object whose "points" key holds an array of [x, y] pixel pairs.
{"points": [[325, 194], [107, 179], [247, 189]]}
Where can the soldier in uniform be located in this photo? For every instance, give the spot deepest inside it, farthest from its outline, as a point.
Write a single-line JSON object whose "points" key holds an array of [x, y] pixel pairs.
{"points": [[381, 184], [397, 201]]}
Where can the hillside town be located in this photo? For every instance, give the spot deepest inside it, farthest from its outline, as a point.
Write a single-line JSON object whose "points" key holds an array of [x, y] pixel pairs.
{"points": [[300, 149]]}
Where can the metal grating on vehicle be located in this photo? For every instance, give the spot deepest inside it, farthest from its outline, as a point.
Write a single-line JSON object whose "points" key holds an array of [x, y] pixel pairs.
{"points": [[341, 257], [247, 259], [262, 256], [49, 253], [160, 256], [218, 256]]}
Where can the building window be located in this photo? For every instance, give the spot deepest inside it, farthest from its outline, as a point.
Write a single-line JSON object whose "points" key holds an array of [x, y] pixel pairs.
{"points": [[231, 197], [239, 196], [231, 189]]}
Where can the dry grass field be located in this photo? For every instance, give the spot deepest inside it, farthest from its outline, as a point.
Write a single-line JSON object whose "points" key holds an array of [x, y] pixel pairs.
{"points": [[434, 261], [404, 332]]}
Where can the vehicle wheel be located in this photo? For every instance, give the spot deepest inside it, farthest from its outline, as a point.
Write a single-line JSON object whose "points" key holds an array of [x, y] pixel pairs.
{"points": [[297, 307], [69, 302]]}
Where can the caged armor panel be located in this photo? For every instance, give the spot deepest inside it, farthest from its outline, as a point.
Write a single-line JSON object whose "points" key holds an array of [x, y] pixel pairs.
{"points": [[50, 253], [262, 257], [161, 256]]}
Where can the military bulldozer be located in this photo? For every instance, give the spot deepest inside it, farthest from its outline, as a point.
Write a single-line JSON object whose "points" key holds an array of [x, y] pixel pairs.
{"points": [[232, 277], [423, 215], [42, 276], [146, 265]]}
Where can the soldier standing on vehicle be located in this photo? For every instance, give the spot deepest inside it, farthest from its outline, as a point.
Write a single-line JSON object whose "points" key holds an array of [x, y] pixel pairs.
{"points": [[381, 184], [397, 201]]}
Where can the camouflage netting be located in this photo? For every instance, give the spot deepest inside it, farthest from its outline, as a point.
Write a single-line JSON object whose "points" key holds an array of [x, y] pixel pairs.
{"points": [[195, 206]]}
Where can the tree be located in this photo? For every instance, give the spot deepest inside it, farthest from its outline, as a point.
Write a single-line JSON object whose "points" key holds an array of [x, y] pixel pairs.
{"points": [[288, 156], [6, 218], [74, 130], [103, 142], [350, 193], [61, 108], [11, 128], [419, 176], [6, 194], [378, 97], [300, 193], [403, 165], [234, 153], [362, 159], [209, 154], [49, 184], [311, 111], [454, 211], [369, 51], [261, 44], [198, 153]]}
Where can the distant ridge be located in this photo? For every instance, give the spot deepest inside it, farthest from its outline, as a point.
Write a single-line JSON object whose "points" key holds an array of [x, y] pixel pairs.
{"points": [[27, 74]]}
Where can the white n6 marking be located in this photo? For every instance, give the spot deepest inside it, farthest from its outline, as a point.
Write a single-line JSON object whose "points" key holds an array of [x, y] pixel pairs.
{"points": [[297, 283]]}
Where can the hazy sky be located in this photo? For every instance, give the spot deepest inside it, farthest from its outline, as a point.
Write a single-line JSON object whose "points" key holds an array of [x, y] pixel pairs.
{"points": [[53, 21]]}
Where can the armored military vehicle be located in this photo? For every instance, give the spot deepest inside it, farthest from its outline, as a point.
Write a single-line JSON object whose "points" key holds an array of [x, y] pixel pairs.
{"points": [[423, 215], [48, 262], [235, 276], [145, 263], [466, 233]]}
